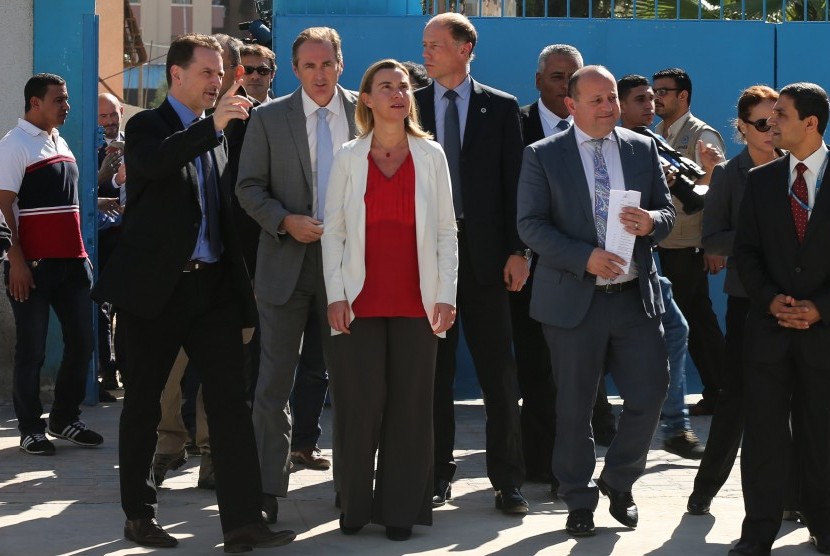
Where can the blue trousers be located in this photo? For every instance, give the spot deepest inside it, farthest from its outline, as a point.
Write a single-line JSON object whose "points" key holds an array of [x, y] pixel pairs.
{"points": [[675, 415]]}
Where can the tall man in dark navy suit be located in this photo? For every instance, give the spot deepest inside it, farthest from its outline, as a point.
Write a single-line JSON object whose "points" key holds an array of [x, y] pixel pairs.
{"points": [[594, 314], [480, 131], [178, 280], [781, 249]]}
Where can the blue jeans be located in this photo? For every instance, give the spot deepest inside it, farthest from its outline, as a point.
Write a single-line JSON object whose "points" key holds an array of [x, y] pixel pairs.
{"points": [[311, 382], [63, 285], [675, 415]]}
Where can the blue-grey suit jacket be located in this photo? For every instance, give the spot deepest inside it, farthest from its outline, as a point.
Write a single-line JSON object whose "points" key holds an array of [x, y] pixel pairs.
{"points": [[555, 219]]}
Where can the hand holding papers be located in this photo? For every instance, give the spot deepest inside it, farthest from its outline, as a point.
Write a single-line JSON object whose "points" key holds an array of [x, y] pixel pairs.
{"points": [[617, 239]]}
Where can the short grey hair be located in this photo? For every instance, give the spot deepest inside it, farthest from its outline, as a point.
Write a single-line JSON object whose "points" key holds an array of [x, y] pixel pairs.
{"points": [[232, 46], [561, 50]]}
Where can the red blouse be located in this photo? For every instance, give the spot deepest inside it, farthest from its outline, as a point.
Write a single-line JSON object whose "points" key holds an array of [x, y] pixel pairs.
{"points": [[392, 287]]}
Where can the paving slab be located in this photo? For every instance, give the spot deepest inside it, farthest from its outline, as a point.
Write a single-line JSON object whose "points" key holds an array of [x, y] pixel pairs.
{"points": [[69, 504]]}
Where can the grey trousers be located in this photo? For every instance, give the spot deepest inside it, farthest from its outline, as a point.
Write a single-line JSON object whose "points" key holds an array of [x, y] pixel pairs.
{"points": [[382, 379], [617, 336], [281, 328]]}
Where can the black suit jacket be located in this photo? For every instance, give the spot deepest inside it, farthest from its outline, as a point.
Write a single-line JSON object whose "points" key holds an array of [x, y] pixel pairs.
{"points": [[770, 259], [491, 159], [163, 214], [532, 129]]}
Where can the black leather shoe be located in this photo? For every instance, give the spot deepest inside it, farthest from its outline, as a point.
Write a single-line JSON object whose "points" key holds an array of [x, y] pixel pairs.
{"points": [[348, 530], [580, 523], [622, 507], [146, 531], [511, 501], [821, 542], [698, 504], [398, 533], [270, 507], [746, 548], [442, 493], [255, 535]]}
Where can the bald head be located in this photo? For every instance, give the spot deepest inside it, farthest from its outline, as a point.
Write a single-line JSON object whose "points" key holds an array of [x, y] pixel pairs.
{"points": [[592, 100], [110, 112]]}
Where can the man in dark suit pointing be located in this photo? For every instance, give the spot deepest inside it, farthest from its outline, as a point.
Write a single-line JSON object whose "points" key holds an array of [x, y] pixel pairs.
{"points": [[594, 314], [178, 280]]}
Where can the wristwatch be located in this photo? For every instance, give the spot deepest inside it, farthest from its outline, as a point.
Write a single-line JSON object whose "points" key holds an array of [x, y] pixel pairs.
{"points": [[525, 253]]}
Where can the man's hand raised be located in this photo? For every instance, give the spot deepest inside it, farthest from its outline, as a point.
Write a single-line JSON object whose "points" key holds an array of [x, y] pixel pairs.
{"points": [[231, 107]]}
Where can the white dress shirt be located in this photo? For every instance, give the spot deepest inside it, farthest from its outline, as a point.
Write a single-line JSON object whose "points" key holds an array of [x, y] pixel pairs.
{"points": [[814, 164], [611, 154], [338, 124], [550, 120]]}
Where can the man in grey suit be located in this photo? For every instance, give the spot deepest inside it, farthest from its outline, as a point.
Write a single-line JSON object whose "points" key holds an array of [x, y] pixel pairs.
{"points": [[283, 172], [594, 314]]}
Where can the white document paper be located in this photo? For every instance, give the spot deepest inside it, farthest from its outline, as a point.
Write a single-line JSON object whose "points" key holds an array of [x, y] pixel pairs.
{"points": [[617, 240]]}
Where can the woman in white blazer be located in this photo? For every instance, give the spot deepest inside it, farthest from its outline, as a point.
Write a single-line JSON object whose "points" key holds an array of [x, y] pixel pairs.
{"points": [[390, 263]]}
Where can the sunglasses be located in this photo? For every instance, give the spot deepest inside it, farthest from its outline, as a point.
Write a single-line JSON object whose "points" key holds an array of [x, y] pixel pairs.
{"points": [[264, 71], [760, 124]]}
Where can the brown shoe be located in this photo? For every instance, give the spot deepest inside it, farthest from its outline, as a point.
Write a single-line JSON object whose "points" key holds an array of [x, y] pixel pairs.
{"points": [[310, 457], [146, 531], [162, 463], [255, 535], [207, 477]]}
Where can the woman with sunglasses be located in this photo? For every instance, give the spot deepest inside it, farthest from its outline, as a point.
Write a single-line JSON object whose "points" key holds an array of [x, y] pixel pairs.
{"points": [[720, 219], [390, 263]]}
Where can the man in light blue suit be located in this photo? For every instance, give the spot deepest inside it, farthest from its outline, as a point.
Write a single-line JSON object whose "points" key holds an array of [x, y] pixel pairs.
{"points": [[594, 314]]}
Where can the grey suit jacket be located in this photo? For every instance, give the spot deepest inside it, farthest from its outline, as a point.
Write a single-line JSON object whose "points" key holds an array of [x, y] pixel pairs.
{"points": [[720, 219], [275, 180], [556, 220]]}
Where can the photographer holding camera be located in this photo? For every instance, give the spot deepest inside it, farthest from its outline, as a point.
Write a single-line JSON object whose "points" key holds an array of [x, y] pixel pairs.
{"points": [[681, 254]]}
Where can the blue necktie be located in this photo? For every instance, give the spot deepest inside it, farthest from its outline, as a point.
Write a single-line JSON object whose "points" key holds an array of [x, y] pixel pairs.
{"points": [[325, 155], [602, 190], [563, 125], [452, 148]]}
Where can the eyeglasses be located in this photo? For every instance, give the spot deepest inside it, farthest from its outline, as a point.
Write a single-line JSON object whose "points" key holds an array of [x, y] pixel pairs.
{"points": [[264, 71], [663, 91], [761, 124]]}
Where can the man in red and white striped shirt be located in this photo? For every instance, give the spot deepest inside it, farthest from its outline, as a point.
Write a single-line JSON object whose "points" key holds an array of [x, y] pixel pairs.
{"points": [[46, 266]]}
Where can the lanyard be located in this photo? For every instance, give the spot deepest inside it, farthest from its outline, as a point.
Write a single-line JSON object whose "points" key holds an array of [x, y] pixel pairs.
{"points": [[819, 179]]}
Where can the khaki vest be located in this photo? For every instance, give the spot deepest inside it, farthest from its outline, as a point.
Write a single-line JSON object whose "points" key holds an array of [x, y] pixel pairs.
{"points": [[688, 229]]}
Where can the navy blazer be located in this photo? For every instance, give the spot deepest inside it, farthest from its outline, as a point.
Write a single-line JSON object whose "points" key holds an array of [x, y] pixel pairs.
{"points": [[163, 214], [556, 220]]}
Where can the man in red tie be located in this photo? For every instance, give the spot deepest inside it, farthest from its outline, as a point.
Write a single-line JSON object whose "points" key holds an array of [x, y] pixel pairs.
{"points": [[781, 248]]}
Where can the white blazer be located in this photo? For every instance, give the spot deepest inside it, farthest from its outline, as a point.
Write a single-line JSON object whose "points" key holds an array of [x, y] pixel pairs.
{"points": [[344, 233]]}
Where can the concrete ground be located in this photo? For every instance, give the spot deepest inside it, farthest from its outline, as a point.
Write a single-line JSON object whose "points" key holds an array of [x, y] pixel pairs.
{"points": [[69, 504]]}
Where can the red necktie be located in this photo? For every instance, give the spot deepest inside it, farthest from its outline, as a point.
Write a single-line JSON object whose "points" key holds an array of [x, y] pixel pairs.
{"points": [[799, 201]]}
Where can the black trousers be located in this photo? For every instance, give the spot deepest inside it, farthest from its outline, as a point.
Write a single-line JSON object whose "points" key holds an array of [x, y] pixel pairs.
{"points": [[484, 312], [727, 423], [786, 374], [538, 391], [690, 285], [202, 317]]}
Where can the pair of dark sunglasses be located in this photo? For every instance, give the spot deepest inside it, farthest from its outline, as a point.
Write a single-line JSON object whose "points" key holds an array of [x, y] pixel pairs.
{"points": [[264, 71], [761, 124]]}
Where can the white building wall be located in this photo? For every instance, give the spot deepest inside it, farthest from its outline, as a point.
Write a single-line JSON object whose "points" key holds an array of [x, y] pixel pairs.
{"points": [[17, 54]]}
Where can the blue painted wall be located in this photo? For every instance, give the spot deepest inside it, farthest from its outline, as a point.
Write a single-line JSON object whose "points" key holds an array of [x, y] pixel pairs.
{"points": [[66, 43]]}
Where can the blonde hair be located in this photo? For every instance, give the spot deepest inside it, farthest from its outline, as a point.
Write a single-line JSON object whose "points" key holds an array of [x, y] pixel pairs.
{"points": [[365, 120]]}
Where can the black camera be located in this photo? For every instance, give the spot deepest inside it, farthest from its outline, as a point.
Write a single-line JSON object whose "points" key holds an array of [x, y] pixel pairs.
{"points": [[260, 29], [688, 172]]}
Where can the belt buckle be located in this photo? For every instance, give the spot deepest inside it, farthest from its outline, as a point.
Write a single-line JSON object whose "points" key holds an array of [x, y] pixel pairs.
{"points": [[197, 265]]}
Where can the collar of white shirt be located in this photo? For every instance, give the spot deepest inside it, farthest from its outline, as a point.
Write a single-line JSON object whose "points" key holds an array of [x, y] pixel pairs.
{"points": [[549, 117], [463, 89], [813, 162], [310, 107], [582, 137], [34, 131]]}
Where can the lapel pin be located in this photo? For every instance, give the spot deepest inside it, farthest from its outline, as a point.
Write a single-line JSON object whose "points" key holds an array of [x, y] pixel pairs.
{"points": [[483, 110]]}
